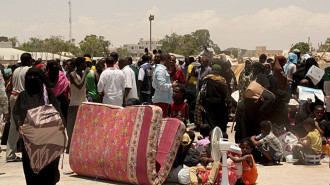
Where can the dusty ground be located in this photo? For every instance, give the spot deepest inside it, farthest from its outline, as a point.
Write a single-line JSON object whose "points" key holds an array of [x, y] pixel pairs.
{"points": [[286, 174]]}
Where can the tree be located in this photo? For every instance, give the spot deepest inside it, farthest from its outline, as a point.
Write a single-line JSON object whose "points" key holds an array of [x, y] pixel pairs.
{"points": [[13, 41], [188, 44], [123, 52], [95, 45], [326, 45], [302, 46]]}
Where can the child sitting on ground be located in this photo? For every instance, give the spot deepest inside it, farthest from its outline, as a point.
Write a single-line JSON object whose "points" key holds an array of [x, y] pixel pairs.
{"points": [[179, 108], [206, 162], [310, 145], [250, 173], [205, 130], [268, 144]]}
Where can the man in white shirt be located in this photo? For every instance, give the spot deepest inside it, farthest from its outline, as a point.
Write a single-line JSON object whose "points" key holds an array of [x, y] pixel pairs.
{"points": [[130, 83], [18, 82], [112, 84]]}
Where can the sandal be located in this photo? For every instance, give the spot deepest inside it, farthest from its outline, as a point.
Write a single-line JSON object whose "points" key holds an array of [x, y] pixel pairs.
{"points": [[17, 159]]}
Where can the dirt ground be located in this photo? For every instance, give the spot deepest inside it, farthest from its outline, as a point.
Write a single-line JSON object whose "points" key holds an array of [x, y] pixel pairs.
{"points": [[286, 174]]}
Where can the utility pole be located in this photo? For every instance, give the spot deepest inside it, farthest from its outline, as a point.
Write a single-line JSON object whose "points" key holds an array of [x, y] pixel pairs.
{"points": [[70, 21], [151, 18]]}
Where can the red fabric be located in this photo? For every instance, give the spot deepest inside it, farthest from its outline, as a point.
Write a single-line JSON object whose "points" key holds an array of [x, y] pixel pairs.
{"points": [[179, 76], [165, 144], [178, 110], [141, 168], [164, 107]]}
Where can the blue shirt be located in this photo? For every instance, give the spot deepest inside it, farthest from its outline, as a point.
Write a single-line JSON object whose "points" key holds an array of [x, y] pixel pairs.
{"points": [[161, 82]]}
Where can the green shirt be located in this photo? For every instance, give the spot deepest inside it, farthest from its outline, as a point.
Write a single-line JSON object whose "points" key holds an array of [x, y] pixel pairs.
{"points": [[91, 86]]}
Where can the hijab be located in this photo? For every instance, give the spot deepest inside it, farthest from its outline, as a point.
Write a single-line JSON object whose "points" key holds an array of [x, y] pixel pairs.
{"points": [[258, 74], [53, 69], [279, 73], [35, 84], [292, 59]]}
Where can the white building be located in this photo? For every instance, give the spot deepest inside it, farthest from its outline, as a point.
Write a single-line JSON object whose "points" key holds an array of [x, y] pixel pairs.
{"points": [[137, 50], [5, 43]]}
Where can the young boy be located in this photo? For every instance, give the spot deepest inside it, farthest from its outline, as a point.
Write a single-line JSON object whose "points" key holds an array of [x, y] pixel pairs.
{"points": [[321, 123], [179, 108], [250, 173], [310, 145], [268, 144]]}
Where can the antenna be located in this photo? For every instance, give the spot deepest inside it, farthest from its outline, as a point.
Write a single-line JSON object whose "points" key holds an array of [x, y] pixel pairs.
{"points": [[70, 21]]}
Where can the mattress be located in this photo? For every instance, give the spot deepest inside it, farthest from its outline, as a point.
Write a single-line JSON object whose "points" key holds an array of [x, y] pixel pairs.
{"points": [[131, 145]]}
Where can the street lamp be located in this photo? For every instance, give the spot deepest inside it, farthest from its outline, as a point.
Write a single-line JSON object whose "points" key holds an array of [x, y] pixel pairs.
{"points": [[151, 18]]}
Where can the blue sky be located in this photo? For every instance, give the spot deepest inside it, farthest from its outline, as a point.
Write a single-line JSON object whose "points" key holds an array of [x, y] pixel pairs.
{"points": [[232, 23]]}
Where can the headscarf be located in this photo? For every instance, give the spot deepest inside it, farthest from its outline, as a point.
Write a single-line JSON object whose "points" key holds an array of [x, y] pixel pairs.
{"points": [[57, 77], [216, 74], [259, 75], [8, 71], [36, 85], [53, 69], [260, 68], [247, 71], [225, 65], [216, 68], [292, 59], [279, 73]]}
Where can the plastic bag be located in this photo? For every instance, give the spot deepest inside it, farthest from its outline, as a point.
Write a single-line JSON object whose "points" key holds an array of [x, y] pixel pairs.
{"points": [[287, 140], [235, 167], [184, 176], [231, 177]]}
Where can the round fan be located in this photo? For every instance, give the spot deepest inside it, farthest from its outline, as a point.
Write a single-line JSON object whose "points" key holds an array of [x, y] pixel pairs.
{"points": [[219, 149], [215, 139]]}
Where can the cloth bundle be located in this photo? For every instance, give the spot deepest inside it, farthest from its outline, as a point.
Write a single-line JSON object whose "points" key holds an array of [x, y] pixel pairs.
{"points": [[43, 136], [131, 145]]}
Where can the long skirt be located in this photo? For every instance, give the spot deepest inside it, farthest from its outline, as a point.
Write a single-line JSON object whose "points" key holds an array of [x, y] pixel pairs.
{"points": [[49, 175]]}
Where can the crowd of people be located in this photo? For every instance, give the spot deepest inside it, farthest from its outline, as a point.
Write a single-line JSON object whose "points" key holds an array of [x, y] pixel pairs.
{"points": [[197, 91]]}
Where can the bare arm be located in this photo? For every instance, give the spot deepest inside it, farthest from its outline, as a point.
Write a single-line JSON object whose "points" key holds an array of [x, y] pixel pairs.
{"points": [[74, 80], [255, 142], [127, 90], [307, 143], [241, 159]]}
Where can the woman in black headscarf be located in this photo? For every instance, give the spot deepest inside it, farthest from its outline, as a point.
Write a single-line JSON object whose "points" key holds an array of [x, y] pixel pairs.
{"points": [[214, 99], [34, 96], [61, 85], [229, 75], [258, 71], [301, 74]]}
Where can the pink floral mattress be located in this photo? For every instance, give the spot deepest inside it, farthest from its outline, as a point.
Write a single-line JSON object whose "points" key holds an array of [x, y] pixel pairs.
{"points": [[131, 145]]}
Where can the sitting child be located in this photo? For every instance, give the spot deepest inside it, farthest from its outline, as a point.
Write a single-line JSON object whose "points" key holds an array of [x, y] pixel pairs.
{"points": [[310, 145], [250, 173], [205, 130], [206, 162], [268, 144], [321, 122], [179, 108]]}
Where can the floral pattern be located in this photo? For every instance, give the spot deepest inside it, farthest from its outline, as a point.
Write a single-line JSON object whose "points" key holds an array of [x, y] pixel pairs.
{"points": [[106, 140]]}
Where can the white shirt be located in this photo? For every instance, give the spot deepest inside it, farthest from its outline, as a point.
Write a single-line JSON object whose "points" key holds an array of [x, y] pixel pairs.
{"points": [[18, 79], [112, 82], [130, 82], [141, 74]]}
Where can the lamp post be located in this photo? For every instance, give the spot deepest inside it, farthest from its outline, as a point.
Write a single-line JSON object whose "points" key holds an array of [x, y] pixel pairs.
{"points": [[151, 18]]}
